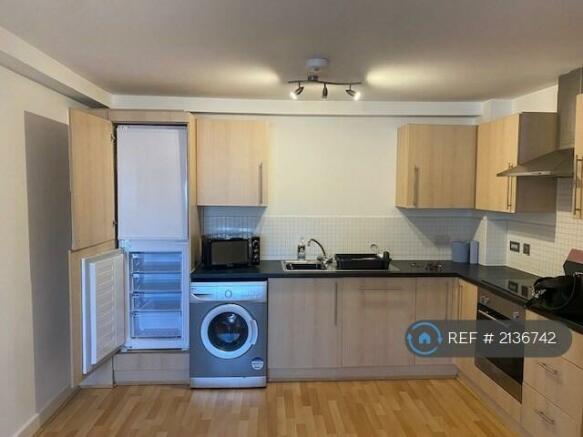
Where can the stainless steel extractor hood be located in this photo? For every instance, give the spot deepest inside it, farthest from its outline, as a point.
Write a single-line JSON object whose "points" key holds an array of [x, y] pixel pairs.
{"points": [[558, 163]]}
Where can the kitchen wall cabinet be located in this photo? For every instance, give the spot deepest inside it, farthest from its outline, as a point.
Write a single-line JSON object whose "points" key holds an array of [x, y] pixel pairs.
{"points": [[304, 325], [432, 302], [504, 143], [375, 316], [578, 161], [232, 160], [92, 186], [436, 166]]}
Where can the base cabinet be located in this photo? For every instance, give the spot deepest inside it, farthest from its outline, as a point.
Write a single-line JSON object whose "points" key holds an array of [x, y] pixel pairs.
{"points": [[375, 316], [467, 299], [552, 400], [433, 302], [304, 330], [352, 328], [541, 418]]}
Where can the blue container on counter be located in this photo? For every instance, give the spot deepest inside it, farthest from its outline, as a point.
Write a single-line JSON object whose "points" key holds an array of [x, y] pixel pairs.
{"points": [[460, 251]]}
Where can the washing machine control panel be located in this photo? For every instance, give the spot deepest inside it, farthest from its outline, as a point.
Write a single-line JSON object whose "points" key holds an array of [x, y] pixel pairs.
{"points": [[228, 291]]}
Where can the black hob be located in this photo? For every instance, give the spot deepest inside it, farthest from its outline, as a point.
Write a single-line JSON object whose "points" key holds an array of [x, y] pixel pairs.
{"points": [[519, 287]]}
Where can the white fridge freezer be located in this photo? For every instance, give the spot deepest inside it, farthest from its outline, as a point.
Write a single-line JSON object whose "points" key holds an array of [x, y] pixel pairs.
{"points": [[152, 181]]}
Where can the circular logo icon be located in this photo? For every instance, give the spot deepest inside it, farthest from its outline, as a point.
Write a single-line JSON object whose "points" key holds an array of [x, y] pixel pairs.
{"points": [[423, 338], [257, 363]]}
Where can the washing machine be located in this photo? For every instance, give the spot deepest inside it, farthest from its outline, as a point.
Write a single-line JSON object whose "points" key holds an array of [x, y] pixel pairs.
{"points": [[228, 334]]}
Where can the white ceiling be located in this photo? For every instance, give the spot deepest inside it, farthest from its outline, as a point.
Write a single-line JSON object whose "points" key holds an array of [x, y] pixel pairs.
{"points": [[427, 50]]}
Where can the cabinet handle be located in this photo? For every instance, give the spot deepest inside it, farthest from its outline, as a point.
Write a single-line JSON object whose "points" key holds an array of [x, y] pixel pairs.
{"points": [[547, 368], [544, 417], [261, 183], [576, 184], [509, 190], [335, 303], [415, 186]]}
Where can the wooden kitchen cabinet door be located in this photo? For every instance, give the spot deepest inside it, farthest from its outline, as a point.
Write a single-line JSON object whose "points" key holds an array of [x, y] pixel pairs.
{"points": [[468, 299], [91, 156], [468, 303], [432, 302], [304, 324], [232, 158], [376, 313], [505, 143], [436, 166], [577, 206]]}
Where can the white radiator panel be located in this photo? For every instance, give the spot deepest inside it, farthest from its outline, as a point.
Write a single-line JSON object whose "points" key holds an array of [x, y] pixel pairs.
{"points": [[103, 303]]}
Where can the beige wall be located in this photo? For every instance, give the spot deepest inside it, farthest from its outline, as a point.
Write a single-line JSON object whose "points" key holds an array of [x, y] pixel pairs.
{"points": [[17, 356]]}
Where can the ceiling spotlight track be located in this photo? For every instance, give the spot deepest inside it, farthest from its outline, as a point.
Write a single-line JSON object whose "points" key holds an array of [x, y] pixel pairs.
{"points": [[315, 65]]}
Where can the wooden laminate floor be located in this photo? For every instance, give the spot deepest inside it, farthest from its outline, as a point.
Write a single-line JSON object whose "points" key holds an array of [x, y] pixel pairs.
{"points": [[350, 408]]}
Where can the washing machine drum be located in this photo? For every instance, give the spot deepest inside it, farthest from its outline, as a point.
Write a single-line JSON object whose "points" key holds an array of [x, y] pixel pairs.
{"points": [[228, 331]]}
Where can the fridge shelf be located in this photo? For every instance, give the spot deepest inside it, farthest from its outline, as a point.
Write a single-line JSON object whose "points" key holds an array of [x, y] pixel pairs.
{"points": [[157, 324], [156, 262], [162, 302], [156, 282]]}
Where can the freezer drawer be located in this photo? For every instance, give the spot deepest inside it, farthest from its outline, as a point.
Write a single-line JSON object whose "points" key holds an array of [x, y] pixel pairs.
{"points": [[156, 262], [157, 324], [156, 282], [156, 302]]}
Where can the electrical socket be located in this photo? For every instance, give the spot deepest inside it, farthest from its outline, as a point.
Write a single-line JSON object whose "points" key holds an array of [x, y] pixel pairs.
{"points": [[526, 248], [515, 246]]}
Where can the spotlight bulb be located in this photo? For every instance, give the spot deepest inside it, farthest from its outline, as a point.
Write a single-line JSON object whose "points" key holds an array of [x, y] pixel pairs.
{"points": [[295, 93], [354, 94]]}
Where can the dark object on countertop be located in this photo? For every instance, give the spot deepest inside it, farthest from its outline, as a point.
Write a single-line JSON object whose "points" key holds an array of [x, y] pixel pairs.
{"points": [[362, 261], [225, 252], [562, 295]]}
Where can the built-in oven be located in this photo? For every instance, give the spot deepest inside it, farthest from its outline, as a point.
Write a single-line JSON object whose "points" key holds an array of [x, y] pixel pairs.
{"points": [[506, 372]]}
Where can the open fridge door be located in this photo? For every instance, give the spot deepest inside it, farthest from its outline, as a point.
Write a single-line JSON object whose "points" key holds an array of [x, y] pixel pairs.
{"points": [[103, 307]]}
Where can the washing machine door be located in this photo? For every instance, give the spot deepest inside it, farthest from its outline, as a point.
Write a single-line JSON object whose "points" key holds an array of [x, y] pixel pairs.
{"points": [[228, 331]]}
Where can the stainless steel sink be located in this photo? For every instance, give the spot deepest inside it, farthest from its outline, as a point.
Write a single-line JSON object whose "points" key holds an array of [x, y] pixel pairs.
{"points": [[313, 265], [300, 265]]}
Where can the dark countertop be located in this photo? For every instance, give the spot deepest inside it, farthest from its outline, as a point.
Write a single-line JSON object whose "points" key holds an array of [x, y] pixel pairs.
{"points": [[413, 268], [472, 273]]}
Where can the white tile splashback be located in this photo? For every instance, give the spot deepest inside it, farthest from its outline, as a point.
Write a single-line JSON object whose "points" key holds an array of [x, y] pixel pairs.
{"points": [[551, 240], [405, 237]]}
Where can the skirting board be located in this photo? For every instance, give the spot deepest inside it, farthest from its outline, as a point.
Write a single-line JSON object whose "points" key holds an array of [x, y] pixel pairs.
{"points": [[356, 373], [143, 377], [39, 419], [151, 368]]}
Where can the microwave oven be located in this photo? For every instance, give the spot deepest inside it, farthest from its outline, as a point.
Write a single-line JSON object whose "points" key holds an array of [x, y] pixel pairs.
{"points": [[230, 251]]}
